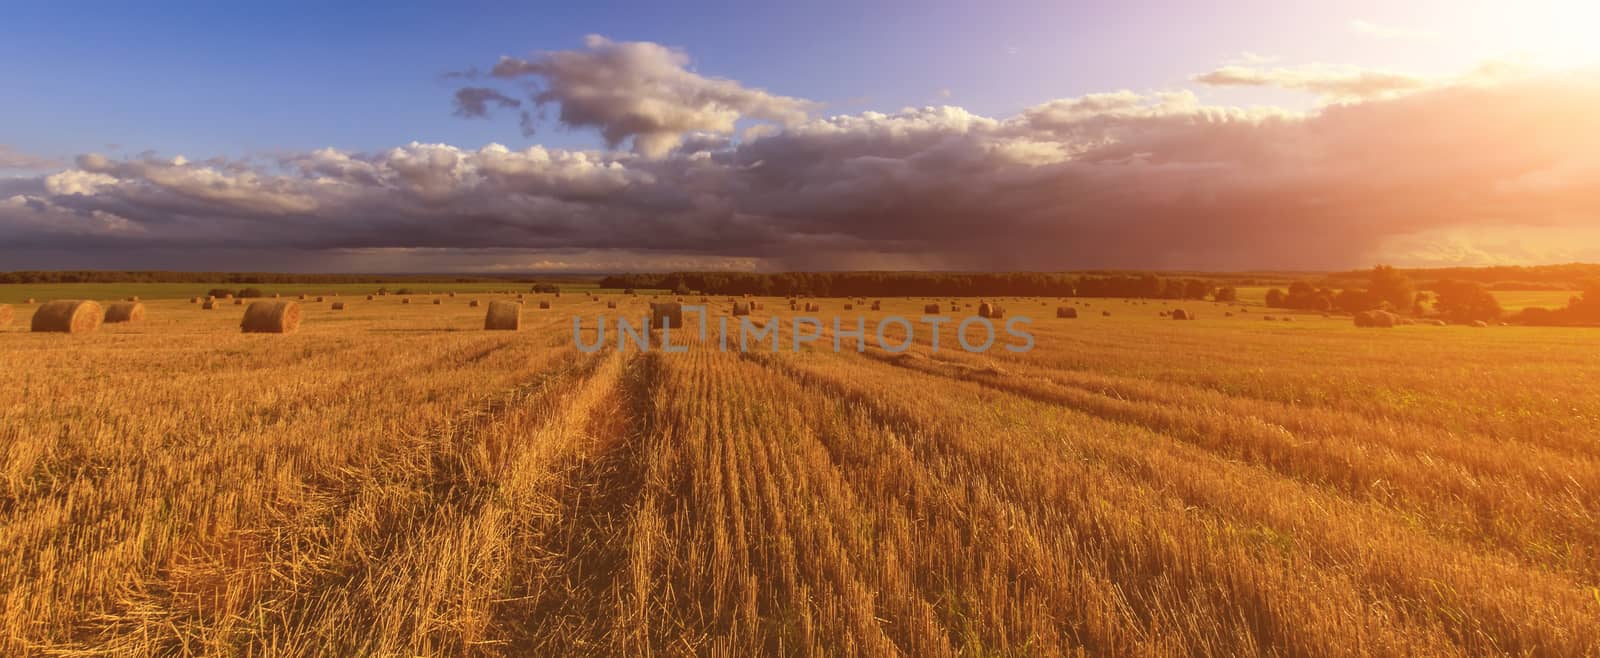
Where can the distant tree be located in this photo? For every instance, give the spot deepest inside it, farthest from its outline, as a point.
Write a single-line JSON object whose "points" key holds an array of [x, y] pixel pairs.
{"points": [[219, 292], [1352, 301], [1387, 287], [1466, 301], [1226, 294], [1275, 298], [547, 287], [250, 293]]}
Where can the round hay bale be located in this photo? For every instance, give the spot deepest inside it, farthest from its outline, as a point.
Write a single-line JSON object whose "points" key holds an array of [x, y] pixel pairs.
{"points": [[1376, 319], [6, 315], [1105, 314], [668, 314], [302, 297], [611, 304], [1067, 312], [544, 304], [1163, 314], [931, 309], [991, 311], [276, 295], [1269, 318], [238, 302], [28, 301], [741, 308], [228, 296], [438, 302], [278, 317], [453, 295], [1288, 318], [1480, 324], [813, 308], [405, 300], [210, 304], [369, 298], [503, 316], [67, 316], [338, 306], [320, 299], [877, 306], [1439, 323], [472, 304], [133, 298], [1181, 314], [194, 300], [124, 312], [849, 307]]}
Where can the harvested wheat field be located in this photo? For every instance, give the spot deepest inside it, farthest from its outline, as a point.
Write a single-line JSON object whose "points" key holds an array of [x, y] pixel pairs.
{"points": [[395, 480]]}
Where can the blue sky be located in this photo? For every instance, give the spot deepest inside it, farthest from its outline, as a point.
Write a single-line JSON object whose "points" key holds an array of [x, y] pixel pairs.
{"points": [[1131, 134], [209, 78]]}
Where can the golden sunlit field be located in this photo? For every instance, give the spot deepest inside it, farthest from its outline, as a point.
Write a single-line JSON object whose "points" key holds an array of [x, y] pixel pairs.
{"points": [[393, 480]]}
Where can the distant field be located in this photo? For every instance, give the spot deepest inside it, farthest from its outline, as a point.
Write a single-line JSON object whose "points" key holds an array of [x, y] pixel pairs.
{"points": [[392, 480], [15, 293]]}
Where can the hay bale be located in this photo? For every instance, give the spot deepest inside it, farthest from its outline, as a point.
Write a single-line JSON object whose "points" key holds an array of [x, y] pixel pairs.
{"points": [[544, 304], [611, 304], [67, 316], [991, 311], [238, 302], [741, 308], [931, 309], [1288, 318], [210, 304], [370, 298], [338, 306], [1067, 312], [194, 300], [6, 315], [1181, 314], [320, 299], [28, 301], [472, 304], [276, 317], [453, 295], [1438, 323], [1227, 314], [877, 306], [849, 307], [134, 298], [1269, 318], [1105, 314], [437, 301], [1376, 319], [405, 300], [813, 308], [302, 297], [1480, 324], [668, 314], [124, 312], [503, 316]]}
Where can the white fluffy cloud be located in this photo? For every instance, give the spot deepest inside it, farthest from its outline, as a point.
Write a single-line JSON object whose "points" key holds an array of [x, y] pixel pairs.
{"points": [[636, 90]]}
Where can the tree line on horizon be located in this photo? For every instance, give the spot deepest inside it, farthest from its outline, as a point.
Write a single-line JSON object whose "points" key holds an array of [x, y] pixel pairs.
{"points": [[924, 284]]}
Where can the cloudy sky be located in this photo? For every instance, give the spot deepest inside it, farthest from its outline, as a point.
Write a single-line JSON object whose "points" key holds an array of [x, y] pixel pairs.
{"points": [[712, 135]]}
